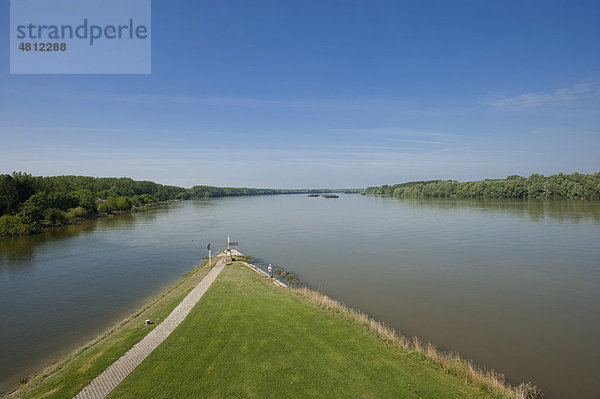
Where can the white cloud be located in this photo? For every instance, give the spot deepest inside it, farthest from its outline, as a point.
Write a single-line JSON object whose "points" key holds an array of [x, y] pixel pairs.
{"points": [[417, 141], [537, 100], [246, 102], [395, 131]]}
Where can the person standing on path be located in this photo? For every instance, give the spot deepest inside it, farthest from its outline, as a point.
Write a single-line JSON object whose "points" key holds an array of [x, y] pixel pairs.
{"points": [[270, 269]]}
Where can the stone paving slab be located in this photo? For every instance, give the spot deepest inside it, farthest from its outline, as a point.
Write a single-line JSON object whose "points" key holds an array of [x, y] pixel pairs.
{"points": [[106, 382]]}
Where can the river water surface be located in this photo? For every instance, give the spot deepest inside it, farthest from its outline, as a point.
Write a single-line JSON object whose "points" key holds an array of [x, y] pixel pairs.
{"points": [[514, 285]]}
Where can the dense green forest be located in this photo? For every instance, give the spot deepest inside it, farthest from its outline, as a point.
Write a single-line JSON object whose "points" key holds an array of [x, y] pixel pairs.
{"points": [[28, 203], [559, 186]]}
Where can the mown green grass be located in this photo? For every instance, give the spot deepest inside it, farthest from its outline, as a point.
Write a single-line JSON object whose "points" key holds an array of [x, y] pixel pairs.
{"points": [[70, 375], [247, 338]]}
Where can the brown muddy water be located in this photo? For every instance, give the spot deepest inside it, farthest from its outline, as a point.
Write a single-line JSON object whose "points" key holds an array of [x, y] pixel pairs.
{"points": [[514, 285]]}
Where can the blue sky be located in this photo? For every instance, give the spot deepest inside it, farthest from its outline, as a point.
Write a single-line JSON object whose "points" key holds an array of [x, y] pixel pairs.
{"points": [[323, 94]]}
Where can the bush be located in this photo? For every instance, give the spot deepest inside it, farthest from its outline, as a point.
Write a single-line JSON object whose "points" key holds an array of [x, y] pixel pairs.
{"points": [[135, 200], [75, 213], [530, 391], [86, 199], [111, 204], [146, 199], [55, 216], [31, 213], [102, 207], [123, 203], [15, 225]]}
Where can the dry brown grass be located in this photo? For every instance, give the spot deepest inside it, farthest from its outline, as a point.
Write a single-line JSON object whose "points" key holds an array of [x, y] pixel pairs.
{"points": [[487, 380]]}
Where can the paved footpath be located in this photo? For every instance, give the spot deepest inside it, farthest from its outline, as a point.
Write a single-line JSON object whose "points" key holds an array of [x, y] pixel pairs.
{"points": [[104, 384]]}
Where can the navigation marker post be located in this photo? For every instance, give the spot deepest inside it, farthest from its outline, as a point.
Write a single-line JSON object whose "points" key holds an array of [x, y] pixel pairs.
{"points": [[228, 253], [231, 243]]}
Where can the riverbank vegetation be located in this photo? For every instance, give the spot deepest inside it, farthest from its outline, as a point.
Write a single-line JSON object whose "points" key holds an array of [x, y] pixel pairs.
{"points": [[558, 186], [30, 203]]}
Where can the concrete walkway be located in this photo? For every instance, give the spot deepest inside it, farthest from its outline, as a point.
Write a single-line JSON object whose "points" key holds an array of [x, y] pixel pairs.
{"points": [[104, 384]]}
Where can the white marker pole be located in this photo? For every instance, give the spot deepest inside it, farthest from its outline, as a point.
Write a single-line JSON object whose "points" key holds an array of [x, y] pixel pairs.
{"points": [[227, 241]]}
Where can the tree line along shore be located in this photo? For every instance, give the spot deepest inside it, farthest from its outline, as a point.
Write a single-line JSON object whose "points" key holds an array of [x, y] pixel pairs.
{"points": [[559, 186], [29, 203]]}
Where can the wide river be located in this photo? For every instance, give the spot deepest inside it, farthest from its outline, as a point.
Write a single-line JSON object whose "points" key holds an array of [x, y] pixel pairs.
{"points": [[514, 285]]}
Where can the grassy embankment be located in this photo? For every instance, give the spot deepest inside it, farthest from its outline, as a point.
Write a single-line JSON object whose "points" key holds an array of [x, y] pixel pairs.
{"points": [[249, 338], [66, 377]]}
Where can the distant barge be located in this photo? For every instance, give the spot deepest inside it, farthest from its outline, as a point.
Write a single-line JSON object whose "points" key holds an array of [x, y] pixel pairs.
{"points": [[324, 195]]}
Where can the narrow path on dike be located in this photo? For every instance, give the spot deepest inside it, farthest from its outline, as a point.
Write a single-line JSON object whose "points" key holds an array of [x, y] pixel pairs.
{"points": [[105, 383]]}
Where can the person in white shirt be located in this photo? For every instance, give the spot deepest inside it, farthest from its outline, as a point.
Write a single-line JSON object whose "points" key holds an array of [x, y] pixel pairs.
{"points": [[270, 269]]}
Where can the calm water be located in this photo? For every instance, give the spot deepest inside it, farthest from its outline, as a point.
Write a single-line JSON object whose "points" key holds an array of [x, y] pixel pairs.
{"points": [[514, 285]]}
